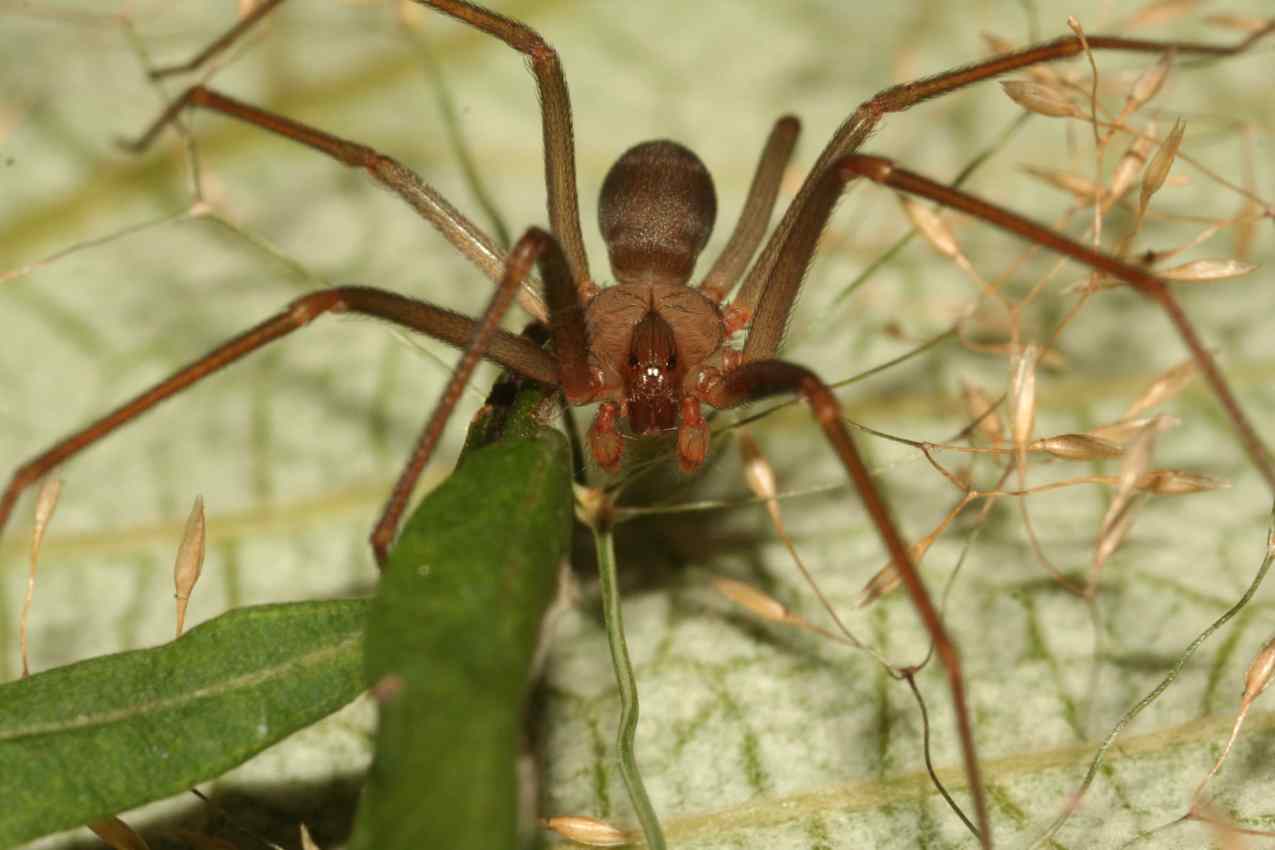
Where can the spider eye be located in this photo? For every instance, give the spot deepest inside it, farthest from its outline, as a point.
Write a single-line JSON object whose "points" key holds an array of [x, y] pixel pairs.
{"points": [[633, 360], [672, 362]]}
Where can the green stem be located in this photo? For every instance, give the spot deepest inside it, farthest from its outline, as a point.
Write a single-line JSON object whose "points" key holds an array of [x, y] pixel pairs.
{"points": [[603, 542]]}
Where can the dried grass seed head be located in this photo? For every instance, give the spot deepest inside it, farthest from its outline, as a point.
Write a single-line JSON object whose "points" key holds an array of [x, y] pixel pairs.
{"points": [[591, 832], [750, 598], [1158, 170], [1149, 82], [1207, 271], [1260, 672], [1041, 98]]}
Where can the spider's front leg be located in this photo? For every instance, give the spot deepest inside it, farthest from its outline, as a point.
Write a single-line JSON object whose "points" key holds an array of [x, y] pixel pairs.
{"points": [[762, 375], [867, 117], [885, 172], [759, 374], [477, 339]]}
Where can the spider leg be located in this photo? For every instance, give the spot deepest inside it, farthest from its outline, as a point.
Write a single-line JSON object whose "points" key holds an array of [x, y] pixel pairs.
{"points": [[760, 374], [758, 206], [770, 318], [559, 144], [222, 42], [505, 348], [761, 378], [567, 325], [864, 120], [467, 237], [555, 110], [535, 244], [887, 173]]}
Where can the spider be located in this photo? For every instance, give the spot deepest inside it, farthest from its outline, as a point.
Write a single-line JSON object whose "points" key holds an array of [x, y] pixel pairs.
{"points": [[633, 347]]}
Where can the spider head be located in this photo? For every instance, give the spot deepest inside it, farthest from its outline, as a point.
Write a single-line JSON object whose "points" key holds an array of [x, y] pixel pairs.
{"points": [[656, 211], [652, 376]]}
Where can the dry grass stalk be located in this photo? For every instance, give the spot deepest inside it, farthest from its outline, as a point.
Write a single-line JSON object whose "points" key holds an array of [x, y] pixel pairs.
{"points": [[1259, 675], [1239, 23], [936, 231], [887, 579], [1074, 25], [1162, 388], [1126, 429], [980, 410], [1022, 407], [1226, 835], [1049, 358], [1135, 463], [761, 480], [1120, 513], [1113, 533]]}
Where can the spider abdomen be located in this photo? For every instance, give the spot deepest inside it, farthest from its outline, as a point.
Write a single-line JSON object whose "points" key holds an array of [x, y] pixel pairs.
{"points": [[656, 210]]}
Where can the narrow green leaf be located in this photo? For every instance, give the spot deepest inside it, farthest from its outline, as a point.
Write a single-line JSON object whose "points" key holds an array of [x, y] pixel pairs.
{"points": [[98, 737], [455, 625]]}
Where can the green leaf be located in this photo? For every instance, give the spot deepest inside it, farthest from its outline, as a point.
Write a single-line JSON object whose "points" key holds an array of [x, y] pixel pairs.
{"points": [[98, 737], [455, 623]]}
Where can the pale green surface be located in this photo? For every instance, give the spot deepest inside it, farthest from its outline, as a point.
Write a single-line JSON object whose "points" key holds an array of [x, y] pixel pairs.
{"points": [[748, 738]]}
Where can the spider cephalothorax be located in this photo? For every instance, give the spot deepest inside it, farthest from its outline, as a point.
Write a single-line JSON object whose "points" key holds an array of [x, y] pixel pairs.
{"points": [[651, 334]]}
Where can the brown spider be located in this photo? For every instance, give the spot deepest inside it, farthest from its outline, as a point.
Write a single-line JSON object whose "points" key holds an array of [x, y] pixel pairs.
{"points": [[650, 349]]}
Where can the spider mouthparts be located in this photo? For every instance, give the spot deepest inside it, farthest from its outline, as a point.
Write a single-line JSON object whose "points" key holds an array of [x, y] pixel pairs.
{"points": [[652, 414]]}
